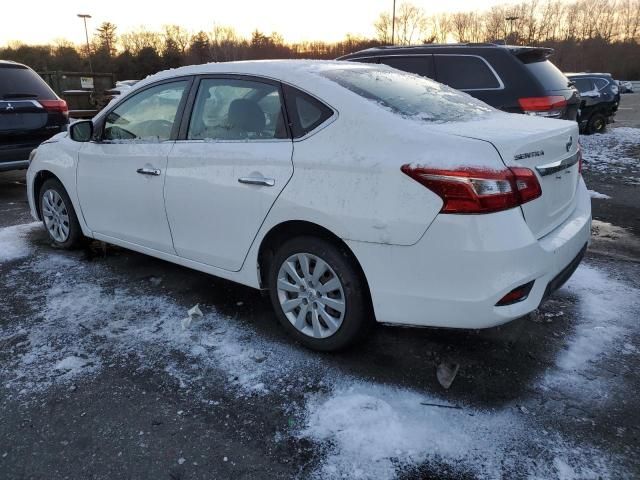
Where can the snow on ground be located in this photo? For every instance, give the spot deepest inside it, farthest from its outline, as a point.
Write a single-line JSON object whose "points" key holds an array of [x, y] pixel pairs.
{"points": [[13, 244], [83, 316], [615, 151], [374, 430], [81, 307], [602, 196]]}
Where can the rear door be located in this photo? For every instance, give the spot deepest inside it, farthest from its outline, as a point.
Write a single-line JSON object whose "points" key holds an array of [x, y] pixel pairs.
{"points": [[232, 161]]}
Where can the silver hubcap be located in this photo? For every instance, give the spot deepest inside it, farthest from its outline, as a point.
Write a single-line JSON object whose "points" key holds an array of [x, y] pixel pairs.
{"points": [[311, 295], [56, 216]]}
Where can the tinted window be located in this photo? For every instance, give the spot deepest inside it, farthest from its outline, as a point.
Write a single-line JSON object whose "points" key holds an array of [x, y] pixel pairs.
{"points": [[306, 112], [548, 75], [230, 109], [148, 115], [583, 84], [20, 82], [409, 95], [600, 83], [464, 72], [418, 64]]}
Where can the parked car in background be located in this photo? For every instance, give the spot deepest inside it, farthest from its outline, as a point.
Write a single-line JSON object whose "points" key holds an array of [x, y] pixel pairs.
{"points": [[30, 113], [624, 86], [511, 78], [600, 98], [352, 192]]}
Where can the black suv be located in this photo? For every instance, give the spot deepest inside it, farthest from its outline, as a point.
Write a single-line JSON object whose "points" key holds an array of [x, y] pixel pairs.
{"points": [[600, 99], [30, 113], [510, 78]]}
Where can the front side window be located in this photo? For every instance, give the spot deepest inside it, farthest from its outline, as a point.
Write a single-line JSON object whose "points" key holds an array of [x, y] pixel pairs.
{"points": [[409, 95], [149, 115], [232, 109], [464, 72]]}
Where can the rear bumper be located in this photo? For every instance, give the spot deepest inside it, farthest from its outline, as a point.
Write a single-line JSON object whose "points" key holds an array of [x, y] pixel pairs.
{"points": [[463, 265]]}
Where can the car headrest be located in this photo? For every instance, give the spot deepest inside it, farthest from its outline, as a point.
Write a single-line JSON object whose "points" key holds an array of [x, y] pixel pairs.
{"points": [[246, 115]]}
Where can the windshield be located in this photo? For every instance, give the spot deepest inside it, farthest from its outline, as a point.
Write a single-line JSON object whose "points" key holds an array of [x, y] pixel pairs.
{"points": [[409, 95]]}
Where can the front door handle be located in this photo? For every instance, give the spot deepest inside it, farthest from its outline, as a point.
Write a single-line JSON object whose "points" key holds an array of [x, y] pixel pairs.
{"points": [[265, 182], [149, 171]]}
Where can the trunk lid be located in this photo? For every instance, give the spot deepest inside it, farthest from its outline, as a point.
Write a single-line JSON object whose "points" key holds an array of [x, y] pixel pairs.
{"points": [[548, 147]]}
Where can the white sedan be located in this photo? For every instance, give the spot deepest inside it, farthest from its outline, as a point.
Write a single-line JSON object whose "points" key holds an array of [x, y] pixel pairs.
{"points": [[354, 193]]}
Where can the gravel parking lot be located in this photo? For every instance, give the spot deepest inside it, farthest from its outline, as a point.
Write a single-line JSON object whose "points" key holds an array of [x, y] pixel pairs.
{"points": [[98, 378]]}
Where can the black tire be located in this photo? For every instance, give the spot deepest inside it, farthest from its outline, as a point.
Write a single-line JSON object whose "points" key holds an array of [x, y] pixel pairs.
{"points": [[596, 124], [357, 315], [74, 237]]}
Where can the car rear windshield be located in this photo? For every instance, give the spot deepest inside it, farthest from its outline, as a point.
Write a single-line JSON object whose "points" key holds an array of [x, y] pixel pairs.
{"points": [[409, 95], [19, 82], [548, 75]]}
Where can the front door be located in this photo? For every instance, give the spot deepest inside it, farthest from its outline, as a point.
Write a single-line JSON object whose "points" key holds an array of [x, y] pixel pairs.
{"points": [[223, 178], [121, 175]]}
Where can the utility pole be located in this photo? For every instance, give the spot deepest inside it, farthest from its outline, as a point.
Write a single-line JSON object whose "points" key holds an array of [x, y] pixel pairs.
{"points": [[511, 19], [393, 23], [84, 17]]}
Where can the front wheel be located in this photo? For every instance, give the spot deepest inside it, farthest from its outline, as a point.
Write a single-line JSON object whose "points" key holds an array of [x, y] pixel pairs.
{"points": [[58, 215], [319, 294]]}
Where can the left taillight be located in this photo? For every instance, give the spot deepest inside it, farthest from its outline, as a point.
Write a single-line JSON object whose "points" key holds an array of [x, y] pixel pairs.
{"points": [[55, 106], [547, 106], [474, 191]]}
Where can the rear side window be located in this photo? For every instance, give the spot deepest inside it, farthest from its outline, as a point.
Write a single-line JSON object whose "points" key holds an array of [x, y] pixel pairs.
{"points": [[548, 75], [583, 84], [418, 64], [465, 72], [306, 112], [21, 82]]}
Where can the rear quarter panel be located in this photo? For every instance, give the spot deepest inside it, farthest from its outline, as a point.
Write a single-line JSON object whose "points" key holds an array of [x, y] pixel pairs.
{"points": [[347, 176]]}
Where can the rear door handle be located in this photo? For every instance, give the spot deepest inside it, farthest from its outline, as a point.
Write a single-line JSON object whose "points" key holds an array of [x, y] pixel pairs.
{"points": [[149, 171], [265, 182]]}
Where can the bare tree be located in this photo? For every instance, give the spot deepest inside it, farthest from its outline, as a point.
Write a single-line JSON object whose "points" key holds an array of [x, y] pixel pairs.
{"points": [[410, 25]]}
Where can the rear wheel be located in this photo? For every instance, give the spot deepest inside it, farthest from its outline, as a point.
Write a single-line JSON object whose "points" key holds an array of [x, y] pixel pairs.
{"points": [[597, 123], [58, 215], [318, 294]]}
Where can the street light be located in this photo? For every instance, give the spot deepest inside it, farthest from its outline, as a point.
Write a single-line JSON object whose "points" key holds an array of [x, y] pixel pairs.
{"points": [[511, 19], [84, 17], [393, 23]]}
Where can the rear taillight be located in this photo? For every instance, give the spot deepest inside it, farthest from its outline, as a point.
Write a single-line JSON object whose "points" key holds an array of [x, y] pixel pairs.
{"points": [[548, 106], [55, 106], [473, 190]]}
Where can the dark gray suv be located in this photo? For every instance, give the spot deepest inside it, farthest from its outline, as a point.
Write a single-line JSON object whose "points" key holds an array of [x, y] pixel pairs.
{"points": [[30, 113], [511, 78]]}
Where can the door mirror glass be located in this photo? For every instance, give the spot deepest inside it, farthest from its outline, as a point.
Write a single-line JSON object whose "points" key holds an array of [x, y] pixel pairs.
{"points": [[81, 131]]}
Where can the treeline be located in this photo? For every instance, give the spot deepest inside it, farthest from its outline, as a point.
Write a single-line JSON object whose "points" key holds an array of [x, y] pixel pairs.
{"points": [[591, 35]]}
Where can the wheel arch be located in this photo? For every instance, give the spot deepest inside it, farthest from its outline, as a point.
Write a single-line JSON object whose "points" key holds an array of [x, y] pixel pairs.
{"points": [[296, 228], [38, 180]]}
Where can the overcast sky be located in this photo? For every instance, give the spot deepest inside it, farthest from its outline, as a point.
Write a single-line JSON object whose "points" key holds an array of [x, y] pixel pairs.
{"points": [[41, 21]]}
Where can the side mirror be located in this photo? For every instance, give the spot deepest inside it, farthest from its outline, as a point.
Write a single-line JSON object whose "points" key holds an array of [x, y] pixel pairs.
{"points": [[81, 131]]}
